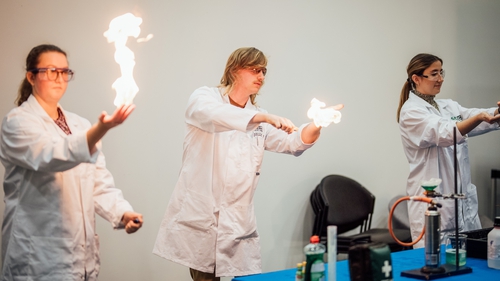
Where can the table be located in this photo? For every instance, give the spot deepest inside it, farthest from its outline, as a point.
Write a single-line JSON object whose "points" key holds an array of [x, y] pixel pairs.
{"points": [[401, 261]]}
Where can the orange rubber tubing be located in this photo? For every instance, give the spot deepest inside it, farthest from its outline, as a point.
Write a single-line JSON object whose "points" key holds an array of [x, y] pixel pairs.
{"points": [[423, 199]]}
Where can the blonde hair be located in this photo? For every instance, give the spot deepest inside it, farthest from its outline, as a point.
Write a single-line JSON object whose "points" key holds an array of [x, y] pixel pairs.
{"points": [[417, 65], [241, 58]]}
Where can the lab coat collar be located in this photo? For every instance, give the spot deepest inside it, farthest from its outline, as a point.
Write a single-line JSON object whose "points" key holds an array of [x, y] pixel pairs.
{"points": [[37, 108], [32, 102], [225, 98]]}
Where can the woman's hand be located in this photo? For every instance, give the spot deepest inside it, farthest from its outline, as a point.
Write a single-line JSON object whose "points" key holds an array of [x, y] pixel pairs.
{"points": [[486, 117], [132, 221], [121, 113], [106, 122], [468, 125]]}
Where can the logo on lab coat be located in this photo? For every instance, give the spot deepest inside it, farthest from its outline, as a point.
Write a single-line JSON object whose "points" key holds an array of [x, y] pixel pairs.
{"points": [[258, 132]]}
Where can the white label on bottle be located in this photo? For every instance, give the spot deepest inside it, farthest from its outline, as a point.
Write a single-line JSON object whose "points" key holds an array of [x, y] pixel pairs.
{"points": [[318, 267], [493, 251]]}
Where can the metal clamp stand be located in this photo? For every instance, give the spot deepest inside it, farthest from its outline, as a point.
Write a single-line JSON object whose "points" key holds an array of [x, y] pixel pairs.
{"points": [[432, 270]]}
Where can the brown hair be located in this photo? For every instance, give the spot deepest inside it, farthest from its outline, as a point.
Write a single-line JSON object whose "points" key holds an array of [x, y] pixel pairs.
{"points": [[25, 89], [242, 58], [417, 65]]}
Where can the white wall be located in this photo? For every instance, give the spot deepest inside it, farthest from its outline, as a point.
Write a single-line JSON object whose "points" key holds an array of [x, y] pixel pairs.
{"points": [[351, 52]]}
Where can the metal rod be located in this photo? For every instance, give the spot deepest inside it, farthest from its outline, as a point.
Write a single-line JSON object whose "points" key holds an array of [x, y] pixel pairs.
{"points": [[456, 199]]}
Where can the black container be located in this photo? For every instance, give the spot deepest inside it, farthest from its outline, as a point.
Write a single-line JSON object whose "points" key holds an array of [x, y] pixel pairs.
{"points": [[477, 243]]}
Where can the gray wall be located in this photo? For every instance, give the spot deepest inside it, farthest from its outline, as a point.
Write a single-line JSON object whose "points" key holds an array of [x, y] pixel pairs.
{"points": [[351, 52]]}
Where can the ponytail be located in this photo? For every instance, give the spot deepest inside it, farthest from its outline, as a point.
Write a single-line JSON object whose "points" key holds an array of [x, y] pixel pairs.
{"points": [[405, 94], [25, 90]]}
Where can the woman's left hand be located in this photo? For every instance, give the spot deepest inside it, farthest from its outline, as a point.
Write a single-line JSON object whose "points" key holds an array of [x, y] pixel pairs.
{"points": [[132, 221], [486, 117]]}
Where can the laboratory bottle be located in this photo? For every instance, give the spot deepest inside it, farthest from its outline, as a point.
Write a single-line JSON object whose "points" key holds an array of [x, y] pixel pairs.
{"points": [[494, 245], [315, 266]]}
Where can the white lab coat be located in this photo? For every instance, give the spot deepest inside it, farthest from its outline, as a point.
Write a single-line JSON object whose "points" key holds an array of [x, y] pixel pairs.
{"points": [[210, 218], [427, 136], [53, 188]]}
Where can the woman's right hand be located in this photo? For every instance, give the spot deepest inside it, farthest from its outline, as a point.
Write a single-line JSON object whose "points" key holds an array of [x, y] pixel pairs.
{"points": [[132, 221], [106, 122], [121, 113]]}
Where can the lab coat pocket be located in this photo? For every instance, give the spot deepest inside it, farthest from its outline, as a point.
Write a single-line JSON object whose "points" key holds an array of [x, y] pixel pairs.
{"points": [[196, 211], [244, 222], [51, 258], [250, 152]]}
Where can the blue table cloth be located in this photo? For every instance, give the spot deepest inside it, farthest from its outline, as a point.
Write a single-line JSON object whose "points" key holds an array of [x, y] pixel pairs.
{"points": [[401, 261]]}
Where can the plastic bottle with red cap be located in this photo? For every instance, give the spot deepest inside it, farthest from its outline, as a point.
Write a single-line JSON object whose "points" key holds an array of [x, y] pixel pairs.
{"points": [[315, 265]]}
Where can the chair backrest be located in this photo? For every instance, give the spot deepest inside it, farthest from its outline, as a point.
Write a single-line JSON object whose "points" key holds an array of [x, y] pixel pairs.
{"points": [[350, 205], [319, 209], [315, 203]]}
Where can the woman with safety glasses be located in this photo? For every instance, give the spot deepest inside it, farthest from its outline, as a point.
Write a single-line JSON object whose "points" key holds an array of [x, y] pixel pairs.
{"points": [[427, 131], [55, 179]]}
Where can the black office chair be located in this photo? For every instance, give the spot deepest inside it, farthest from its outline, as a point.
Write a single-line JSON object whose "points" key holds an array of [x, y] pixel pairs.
{"points": [[316, 206], [343, 202]]}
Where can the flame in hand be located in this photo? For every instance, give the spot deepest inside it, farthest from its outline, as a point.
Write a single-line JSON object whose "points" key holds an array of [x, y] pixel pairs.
{"points": [[322, 117], [120, 28]]}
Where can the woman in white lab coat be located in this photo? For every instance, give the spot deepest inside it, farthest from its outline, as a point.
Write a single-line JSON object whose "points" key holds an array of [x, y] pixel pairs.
{"points": [[209, 225], [55, 179], [427, 126]]}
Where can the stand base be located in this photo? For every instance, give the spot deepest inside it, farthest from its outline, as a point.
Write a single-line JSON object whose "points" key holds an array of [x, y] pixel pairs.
{"points": [[444, 270]]}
